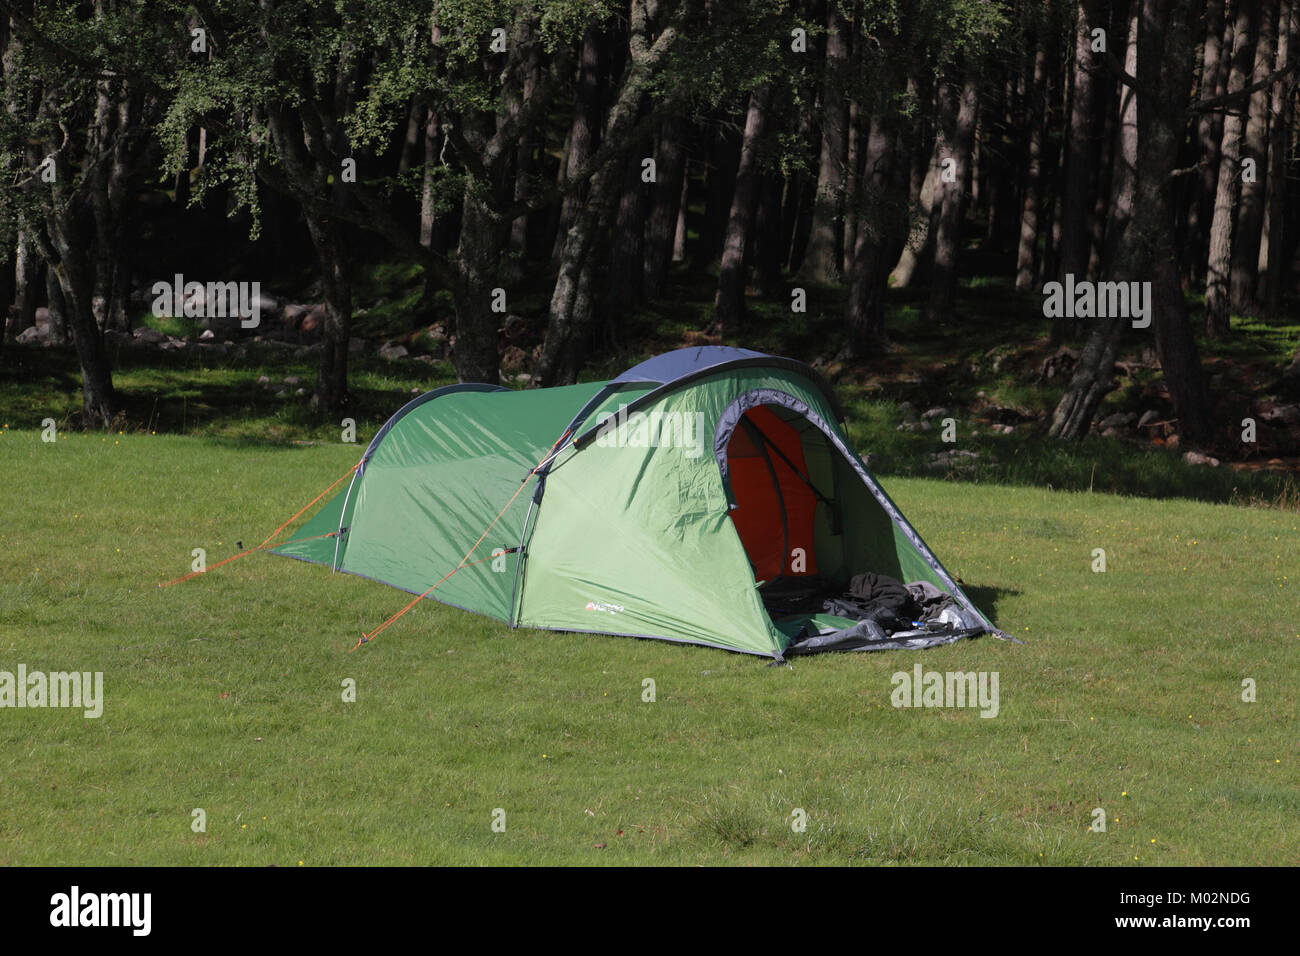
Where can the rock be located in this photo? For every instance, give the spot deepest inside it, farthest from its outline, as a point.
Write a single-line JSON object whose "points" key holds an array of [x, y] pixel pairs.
{"points": [[914, 427], [1196, 458], [1119, 420], [150, 336], [29, 336], [1172, 441], [392, 351], [1282, 414], [954, 458], [938, 412], [513, 358], [1148, 417], [908, 411], [1061, 362], [292, 380], [263, 380], [523, 378], [301, 391], [207, 335], [1110, 433]]}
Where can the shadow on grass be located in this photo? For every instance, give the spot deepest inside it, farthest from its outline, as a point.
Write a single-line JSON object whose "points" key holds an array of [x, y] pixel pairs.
{"points": [[986, 597]]}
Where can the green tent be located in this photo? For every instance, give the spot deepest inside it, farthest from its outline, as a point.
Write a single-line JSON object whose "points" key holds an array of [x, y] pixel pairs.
{"points": [[672, 502]]}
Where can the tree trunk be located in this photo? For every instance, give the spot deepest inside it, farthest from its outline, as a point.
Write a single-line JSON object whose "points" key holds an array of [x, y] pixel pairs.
{"points": [[73, 277], [1250, 212], [850, 210], [666, 207], [1036, 95], [962, 106], [825, 242], [6, 290], [568, 328], [679, 230], [1124, 162], [627, 257], [1272, 254], [719, 183], [880, 238], [1166, 41], [477, 258], [923, 182], [766, 257], [1218, 301], [729, 300], [331, 394], [525, 161], [584, 129], [1081, 154], [29, 279], [1209, 135], [428, 198]]}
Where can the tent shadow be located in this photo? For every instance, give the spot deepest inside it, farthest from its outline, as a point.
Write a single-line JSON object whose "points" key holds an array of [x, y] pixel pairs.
{"points": [[986, 599]]}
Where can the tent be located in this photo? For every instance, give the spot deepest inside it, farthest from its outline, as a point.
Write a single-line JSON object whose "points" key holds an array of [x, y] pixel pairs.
{"points": [[671, 502]]}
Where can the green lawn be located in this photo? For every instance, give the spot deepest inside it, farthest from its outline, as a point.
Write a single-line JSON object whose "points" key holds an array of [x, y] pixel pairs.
{"points": [[224, 693]]}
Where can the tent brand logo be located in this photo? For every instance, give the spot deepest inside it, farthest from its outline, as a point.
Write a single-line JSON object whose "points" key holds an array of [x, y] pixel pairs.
{"points": [[57, 689], [74, 909], [602, 606], [196, 300], [654, 430], [950, 689], [1098, 300]]}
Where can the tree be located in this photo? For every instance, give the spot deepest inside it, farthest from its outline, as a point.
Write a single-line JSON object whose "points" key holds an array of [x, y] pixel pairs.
{"points": [[959, 102], [75, 77], [729, 300], [1254, 147], [1218, 298], [1147, 249], [825, 242]]}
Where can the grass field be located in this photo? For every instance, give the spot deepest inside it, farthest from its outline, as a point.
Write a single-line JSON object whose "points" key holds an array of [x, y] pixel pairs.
{"points": [[225, 693]]}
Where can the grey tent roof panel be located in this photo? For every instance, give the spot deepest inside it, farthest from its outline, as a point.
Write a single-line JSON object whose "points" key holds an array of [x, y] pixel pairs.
{"points": [[671, 366]]}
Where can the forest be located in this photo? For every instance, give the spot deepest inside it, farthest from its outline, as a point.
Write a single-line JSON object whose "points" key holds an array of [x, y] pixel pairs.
{"points": [[554, 181], [1025, 280]]}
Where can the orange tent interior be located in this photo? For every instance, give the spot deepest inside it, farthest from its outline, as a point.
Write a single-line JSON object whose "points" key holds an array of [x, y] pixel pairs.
{"points": [[774, 504]]}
